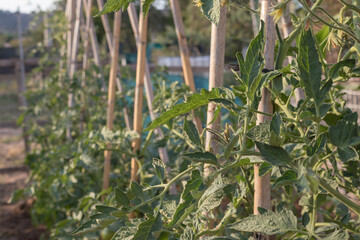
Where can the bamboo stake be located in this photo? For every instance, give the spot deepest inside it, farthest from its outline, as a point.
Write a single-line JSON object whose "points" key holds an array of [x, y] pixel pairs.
{"points": [[21, 80], [94, 42], [184, 53], [254, 19], [216, 75], [148, 86], [262, 184], [74, 49], [139, 90], [105, 22], [111, 96], [70, 20], [287, 29]]}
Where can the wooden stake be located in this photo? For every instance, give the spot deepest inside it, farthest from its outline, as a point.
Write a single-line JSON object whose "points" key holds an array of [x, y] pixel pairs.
{"points": [[148, 86], [105, 22], [70, 22], [287, 29], [139, 90], [21, 81], [254, 18], [74, 49], [111, 96], [184, 53], [216, 75], [94, 42], [262, 184]]}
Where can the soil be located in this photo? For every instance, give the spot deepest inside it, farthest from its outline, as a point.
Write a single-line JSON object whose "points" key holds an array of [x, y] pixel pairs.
{"points": [[15, 220]]}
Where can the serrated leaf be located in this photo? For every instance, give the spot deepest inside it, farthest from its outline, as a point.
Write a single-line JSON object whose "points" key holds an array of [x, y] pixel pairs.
{"points": [[344, 131], [121, 198], [146, 6], [289, 177], [105, 209], [136, 190], [338, 234], [275, 123], [265, 167], [273, 154], [269, 223], [159, 167], [87, 227], [211, 10], [114, 6], [317, 145], [310, 68], [187, 199], [145, 229], [233, 141], [194, 101], [191, 132], [334, 70], [225, 103], [260, 133], [348, 154], [213, 196], [202, 157]]}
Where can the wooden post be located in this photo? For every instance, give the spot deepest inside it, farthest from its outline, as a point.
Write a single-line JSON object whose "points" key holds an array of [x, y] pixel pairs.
{"points": [[184, 53], [47, 35], [262, 184], [105, 22], [216, 75], [111, 95], [148, 86], [20, 67], [139, 90], [70, 21], [287, 29]]}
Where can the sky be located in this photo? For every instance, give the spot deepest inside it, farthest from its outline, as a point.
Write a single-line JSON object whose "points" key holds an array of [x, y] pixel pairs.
{"points": [[26, 6]]}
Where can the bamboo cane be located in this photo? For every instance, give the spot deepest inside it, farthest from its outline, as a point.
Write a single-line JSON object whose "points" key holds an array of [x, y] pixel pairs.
{"points": [[184, 53], [148, 87], [139, 90], [74, 49], [111, 96], [254, 19], [262, 184], [287, 29], [105, 22], [70, 21], [216, 75], [94, 43], [21, 80]]}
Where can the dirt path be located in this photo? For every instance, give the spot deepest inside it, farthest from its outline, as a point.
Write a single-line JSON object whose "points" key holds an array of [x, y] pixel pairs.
{"points": [[15, 221]]}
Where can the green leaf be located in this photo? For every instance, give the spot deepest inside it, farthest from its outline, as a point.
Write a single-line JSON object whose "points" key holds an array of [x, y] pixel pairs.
{"points": [[203, 157], [275, 123], [338, 234], [105, 209], [260, 133], [213, 196], [146, 5], [159, 167], [121, 198], [191, 133], [265, 167], [194, 101], [136, 190], [348, 154], [334, 70], [145, 229], [230, 147], [317, 145], [345, 129], [187, 199], [289, 177], [273, 154], [313, 182], [211, 10], [269, 223], [309, 66], [114, 6], [225, 103]]}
